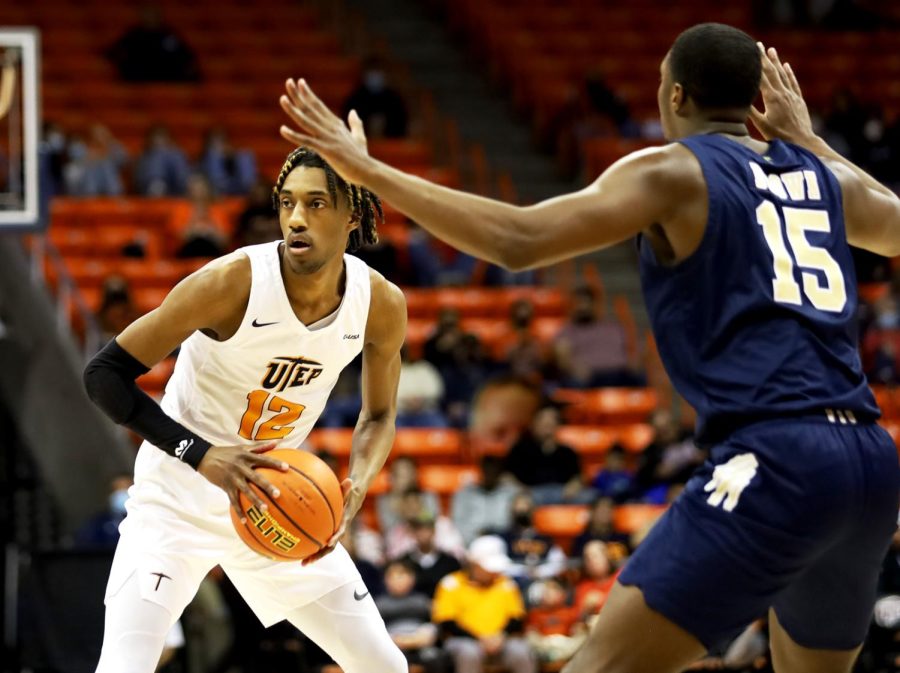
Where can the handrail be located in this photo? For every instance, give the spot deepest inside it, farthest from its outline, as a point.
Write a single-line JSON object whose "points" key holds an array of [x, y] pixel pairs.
{"points": [[67, 294]]}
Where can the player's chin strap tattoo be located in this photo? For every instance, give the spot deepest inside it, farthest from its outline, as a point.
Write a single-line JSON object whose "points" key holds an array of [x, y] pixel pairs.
{"points": [[109, 381]]}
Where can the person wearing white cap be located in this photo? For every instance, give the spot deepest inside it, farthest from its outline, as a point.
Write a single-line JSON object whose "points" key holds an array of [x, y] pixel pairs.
{"points": [[481, 612]]}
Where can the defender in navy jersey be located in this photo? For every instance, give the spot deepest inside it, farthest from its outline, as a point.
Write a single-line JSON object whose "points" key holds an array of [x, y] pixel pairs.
{"points": [[748, 280]]}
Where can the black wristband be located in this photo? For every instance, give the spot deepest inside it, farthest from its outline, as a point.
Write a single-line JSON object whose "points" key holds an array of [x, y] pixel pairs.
{"points": [[109, 381]]}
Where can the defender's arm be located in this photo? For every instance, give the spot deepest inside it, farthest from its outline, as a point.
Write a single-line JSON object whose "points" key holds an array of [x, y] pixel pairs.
{"points": [[629, 197]]}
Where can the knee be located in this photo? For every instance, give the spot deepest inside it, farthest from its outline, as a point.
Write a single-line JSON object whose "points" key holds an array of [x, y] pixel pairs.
{"points": [[387, 659], [468, 652], [518, 656]]}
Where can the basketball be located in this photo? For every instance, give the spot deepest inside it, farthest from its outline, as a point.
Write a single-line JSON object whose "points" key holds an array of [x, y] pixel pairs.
{"points": [[303, 518]]}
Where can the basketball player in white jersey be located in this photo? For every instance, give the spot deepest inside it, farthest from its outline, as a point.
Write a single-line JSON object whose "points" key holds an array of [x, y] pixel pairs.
{"points": [[264, 333]]}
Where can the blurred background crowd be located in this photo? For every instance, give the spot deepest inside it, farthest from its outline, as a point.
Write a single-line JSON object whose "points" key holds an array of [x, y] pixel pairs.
{"points": [[539, 437]]}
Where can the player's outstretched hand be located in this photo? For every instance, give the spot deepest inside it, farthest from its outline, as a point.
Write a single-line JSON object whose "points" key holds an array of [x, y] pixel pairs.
{"points": [[786, 115], [353, 500], [231, 469], [342, 146]]}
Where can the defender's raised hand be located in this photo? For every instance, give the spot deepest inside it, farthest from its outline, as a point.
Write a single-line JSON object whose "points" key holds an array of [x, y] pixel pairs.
{"points": [[785, 116], [342, 146]]}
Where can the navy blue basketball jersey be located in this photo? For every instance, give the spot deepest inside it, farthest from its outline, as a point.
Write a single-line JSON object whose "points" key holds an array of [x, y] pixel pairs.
{"points": [[760, 321]]}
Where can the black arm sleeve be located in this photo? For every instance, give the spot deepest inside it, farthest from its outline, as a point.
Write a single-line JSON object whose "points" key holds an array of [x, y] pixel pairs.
{"points": [[109, 381]]}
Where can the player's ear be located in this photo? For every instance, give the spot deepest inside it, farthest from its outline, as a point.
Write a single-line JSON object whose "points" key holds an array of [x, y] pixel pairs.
{"points": [[354, 220], [677, 98]]}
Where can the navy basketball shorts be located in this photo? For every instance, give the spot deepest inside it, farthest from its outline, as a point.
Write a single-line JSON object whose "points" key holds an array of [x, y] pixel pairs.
{"points": [[793, 514]]}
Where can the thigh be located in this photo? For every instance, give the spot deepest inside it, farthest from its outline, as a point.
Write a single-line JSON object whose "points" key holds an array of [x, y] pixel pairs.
{"points": [[769, 502], [790, 657], [630, 637], [829, 606], [351, 630], [164, 574]]}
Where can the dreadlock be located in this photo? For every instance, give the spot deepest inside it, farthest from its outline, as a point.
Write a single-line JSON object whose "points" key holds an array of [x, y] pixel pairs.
{"points": [[366, 207]]}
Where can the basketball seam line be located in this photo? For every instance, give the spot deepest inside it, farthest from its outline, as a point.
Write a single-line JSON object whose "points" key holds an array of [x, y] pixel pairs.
{"points": [[287, 516], [321, 492]]}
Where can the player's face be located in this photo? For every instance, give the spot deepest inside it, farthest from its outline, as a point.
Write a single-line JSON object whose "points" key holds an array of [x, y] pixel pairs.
{"points": [[314, 226]]}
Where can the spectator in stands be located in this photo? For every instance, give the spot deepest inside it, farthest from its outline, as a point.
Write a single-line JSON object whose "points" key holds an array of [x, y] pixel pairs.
{"points": [[430, 563], [670, 458], [600, 527], [591, 351], [614, 480], [554, 628], [550, 469], [448, 334], [502, 410], [485, 507], [117, 310], [435, 264], [407, 615], [886, 365], [201, 224], [368, 545], [95, 164], [845, 123], [151, 51], [524, 356], [400, 539], [534, 555], [384, 258], [883, 639], [53, 151], [468, 371], [258, 221], [381, 107], [101, 531], [162, 169], [229, 170], [481, 614], [402, 477], [419, 393], [597, 579]]}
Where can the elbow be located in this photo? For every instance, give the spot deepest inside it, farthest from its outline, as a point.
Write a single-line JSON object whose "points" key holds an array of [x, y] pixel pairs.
{"points": [[517, 251]]}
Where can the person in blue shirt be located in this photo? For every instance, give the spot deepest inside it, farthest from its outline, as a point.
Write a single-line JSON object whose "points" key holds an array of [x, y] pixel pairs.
{"points": [[744, 249]]}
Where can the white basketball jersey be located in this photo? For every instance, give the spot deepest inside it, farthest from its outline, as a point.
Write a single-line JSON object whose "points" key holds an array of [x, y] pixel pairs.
{"points": [[268, 382]]}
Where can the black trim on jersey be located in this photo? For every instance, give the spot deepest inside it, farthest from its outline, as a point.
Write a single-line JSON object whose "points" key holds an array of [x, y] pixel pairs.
{"points": [[109, 382]]}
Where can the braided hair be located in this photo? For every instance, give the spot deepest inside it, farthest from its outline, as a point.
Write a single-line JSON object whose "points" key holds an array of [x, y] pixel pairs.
{"points": [[366, 207]]}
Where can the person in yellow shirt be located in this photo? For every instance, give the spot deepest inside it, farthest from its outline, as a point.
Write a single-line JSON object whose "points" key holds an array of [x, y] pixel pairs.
{"points": [[481, 614]]}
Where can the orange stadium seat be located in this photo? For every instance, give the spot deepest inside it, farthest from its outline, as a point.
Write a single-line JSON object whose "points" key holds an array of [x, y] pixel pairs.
{"points": [[587, 440], [631, 518], [429, 444], [338, 441], [446, 479], [635, 437], [607, 405], [154, 381], [561, 522]]}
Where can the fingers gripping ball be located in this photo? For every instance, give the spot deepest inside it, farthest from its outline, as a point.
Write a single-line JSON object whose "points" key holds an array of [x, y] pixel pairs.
{"points": [[305, 515]]}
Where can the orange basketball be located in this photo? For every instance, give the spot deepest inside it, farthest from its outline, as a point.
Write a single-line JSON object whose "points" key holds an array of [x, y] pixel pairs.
{"points": [[302, 518]]}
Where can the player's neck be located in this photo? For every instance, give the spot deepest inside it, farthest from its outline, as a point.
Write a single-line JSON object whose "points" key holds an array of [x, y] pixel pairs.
{"points": [[315, 292], [710, 126]]}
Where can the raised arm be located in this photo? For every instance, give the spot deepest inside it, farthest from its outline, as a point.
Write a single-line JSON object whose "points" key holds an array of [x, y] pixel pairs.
{"points": [[212, 299], [373, 435], [628, 198], [871, 210]]}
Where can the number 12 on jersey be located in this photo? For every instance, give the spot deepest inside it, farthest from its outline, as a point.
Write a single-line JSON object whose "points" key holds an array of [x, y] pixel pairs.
{"points": [[276, 427], [832, 296]]}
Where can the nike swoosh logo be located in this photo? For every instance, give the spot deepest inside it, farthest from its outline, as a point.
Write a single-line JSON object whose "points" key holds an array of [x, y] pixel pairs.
{"points": [[358, 596], [262, 324]]}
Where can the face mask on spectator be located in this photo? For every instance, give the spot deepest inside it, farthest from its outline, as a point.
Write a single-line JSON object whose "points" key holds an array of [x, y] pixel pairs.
{"points": [[117, 501]]}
